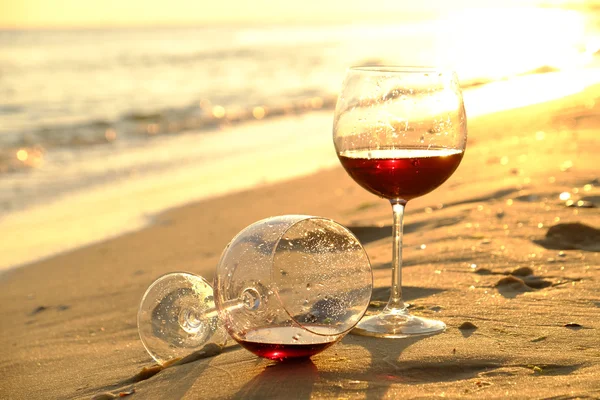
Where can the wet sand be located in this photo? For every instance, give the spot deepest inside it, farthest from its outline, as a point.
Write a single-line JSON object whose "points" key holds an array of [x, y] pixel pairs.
{"points": [[506, 253]]}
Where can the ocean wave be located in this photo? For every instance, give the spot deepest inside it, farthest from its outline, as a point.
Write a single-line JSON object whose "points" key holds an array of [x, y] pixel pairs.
{"points": [[10, 109], [127, 60], [29, 150], [544, 69]]}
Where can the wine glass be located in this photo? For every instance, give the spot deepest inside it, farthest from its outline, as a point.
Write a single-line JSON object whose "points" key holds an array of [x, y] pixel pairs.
{"points": [[285, 287], [399, 132]]}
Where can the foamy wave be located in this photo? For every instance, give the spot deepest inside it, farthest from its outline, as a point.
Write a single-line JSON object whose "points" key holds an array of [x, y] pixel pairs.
{"points": [[28, 152]]}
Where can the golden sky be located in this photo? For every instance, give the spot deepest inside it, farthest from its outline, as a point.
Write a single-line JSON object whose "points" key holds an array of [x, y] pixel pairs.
{"points": [[94, 13]]}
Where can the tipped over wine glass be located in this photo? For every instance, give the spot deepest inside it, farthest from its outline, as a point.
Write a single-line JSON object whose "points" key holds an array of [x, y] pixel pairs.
{"points": [[285, 287], [399, 132]]}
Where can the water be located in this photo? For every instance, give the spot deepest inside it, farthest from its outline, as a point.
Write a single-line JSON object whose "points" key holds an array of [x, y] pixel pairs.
{"points": [[114, 114]]}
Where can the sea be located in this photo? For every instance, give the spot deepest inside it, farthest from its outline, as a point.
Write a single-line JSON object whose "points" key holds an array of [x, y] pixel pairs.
{"points": [[101, 129]]}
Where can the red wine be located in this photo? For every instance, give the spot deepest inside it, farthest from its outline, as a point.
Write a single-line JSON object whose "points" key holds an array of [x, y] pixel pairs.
{"points": [[401, 173], [285, 342]]}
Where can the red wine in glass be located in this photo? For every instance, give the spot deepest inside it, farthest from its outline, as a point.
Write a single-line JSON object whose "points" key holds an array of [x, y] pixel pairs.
{"points": [[399, 132], [284, 343], [401, 173]]}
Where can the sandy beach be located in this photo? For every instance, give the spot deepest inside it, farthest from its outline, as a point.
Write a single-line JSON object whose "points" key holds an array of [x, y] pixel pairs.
{"points": [[510, 245]]}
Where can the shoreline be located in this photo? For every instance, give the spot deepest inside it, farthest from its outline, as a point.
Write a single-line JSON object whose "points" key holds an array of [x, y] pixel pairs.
{"points": [[150, 196], [146, 197]]}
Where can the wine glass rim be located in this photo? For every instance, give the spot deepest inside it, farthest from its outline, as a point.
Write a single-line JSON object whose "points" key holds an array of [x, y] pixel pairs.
{"points": [[277, 294], [410, 69]]}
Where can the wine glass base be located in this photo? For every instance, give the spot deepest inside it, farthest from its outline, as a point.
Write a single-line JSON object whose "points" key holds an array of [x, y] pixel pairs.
{"points": [[397, 324], [177, 317]]}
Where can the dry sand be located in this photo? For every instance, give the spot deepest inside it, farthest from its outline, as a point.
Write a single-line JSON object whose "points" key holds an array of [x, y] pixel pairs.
{"points": [[69, 323]]}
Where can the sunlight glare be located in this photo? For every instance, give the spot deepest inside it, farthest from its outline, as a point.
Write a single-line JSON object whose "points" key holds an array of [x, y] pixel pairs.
{"points": [[499, 42], [22, 155]]}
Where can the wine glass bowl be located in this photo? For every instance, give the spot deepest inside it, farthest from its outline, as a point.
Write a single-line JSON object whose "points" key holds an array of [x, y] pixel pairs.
{"points": [[400, 132], [285, 287], [306, 282]]}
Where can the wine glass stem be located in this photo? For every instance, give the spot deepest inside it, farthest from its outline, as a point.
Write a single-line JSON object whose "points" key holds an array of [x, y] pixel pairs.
{"points": [[395, 303], [192, 322], [234, 304]]}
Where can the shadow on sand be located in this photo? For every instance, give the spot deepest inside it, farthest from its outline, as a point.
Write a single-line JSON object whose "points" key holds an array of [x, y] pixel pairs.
{"points": [[368, 234], [293, 379]]}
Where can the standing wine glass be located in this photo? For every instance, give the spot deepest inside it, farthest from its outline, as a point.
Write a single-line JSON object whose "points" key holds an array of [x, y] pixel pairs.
{"points": [[400, 132]]}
